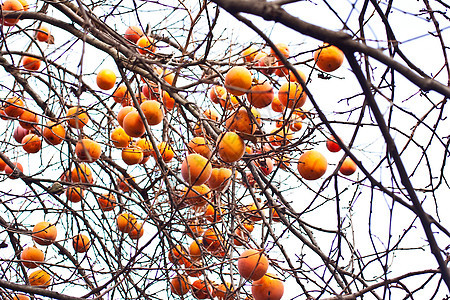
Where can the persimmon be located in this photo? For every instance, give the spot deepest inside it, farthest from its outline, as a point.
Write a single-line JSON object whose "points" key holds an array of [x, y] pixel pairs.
{"points": [[125, 222], [146, 44], [276, 105], [291, 95], [77, 117], [168, 101], [153, 111], [195, 252], [201, 146], [123, 183], [229, 103], [177, 255], [212, 240], [40, 279], [14, 107], [74, 194], [43, 34], [196, 169], [165, 150], [81, 243], [31, 63], [283, 48], [332, 145], [31, 257], [12, 172], [249, 53], [211, 114], [269, 287], [25, 4], [197, 195], [348, 167], [122, 96], [3, 115], [259, 55], [123, 112], [54, 133], [10, 5], [193, 269], [230, 146], [216, 93], [252, 264], [201, 289], [213, 214], [88, 150], [133, 33], [31, 143], [81, 173], [20, 297], [312, 165], [195, 229], [275, 215], [292, 77], [146, 145], [166, 75], [253, 213], [137, 231], [107, 201], [2, 165], [238, 80], [267, 64], [220, 179], [133, 124], [44, 233], [261, 94], [120, 138], [223, 291], [242, 121], [328, 58], [150, 90], [265, 165], [179, 285], [28, 119], [280, 136], [106, 79]]}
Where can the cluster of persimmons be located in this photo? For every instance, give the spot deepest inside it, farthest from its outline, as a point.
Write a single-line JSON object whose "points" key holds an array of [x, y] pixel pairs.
{"points": [[207, 169]]}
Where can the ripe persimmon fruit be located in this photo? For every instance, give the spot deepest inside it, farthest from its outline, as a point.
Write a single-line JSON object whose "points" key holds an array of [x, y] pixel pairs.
{"points": [[196, 169], [28, 119], [40, 279], [120, 138], [348, 167], [54, 133], [31, 257], [44, 233], [74, 194], [81, 243], [268, 287], [106, 79], [230, 146], [261, 94], [88, 150], [238, 80], [328, 57], [31, 63], [252, 264], [77, 117], [43, 33], [11, 5], [31, 143], [312, 165], [14, 107]]}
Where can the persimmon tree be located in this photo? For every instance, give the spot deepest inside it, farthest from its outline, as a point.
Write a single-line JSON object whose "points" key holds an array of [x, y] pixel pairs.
{"points": [[225, 149]]}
